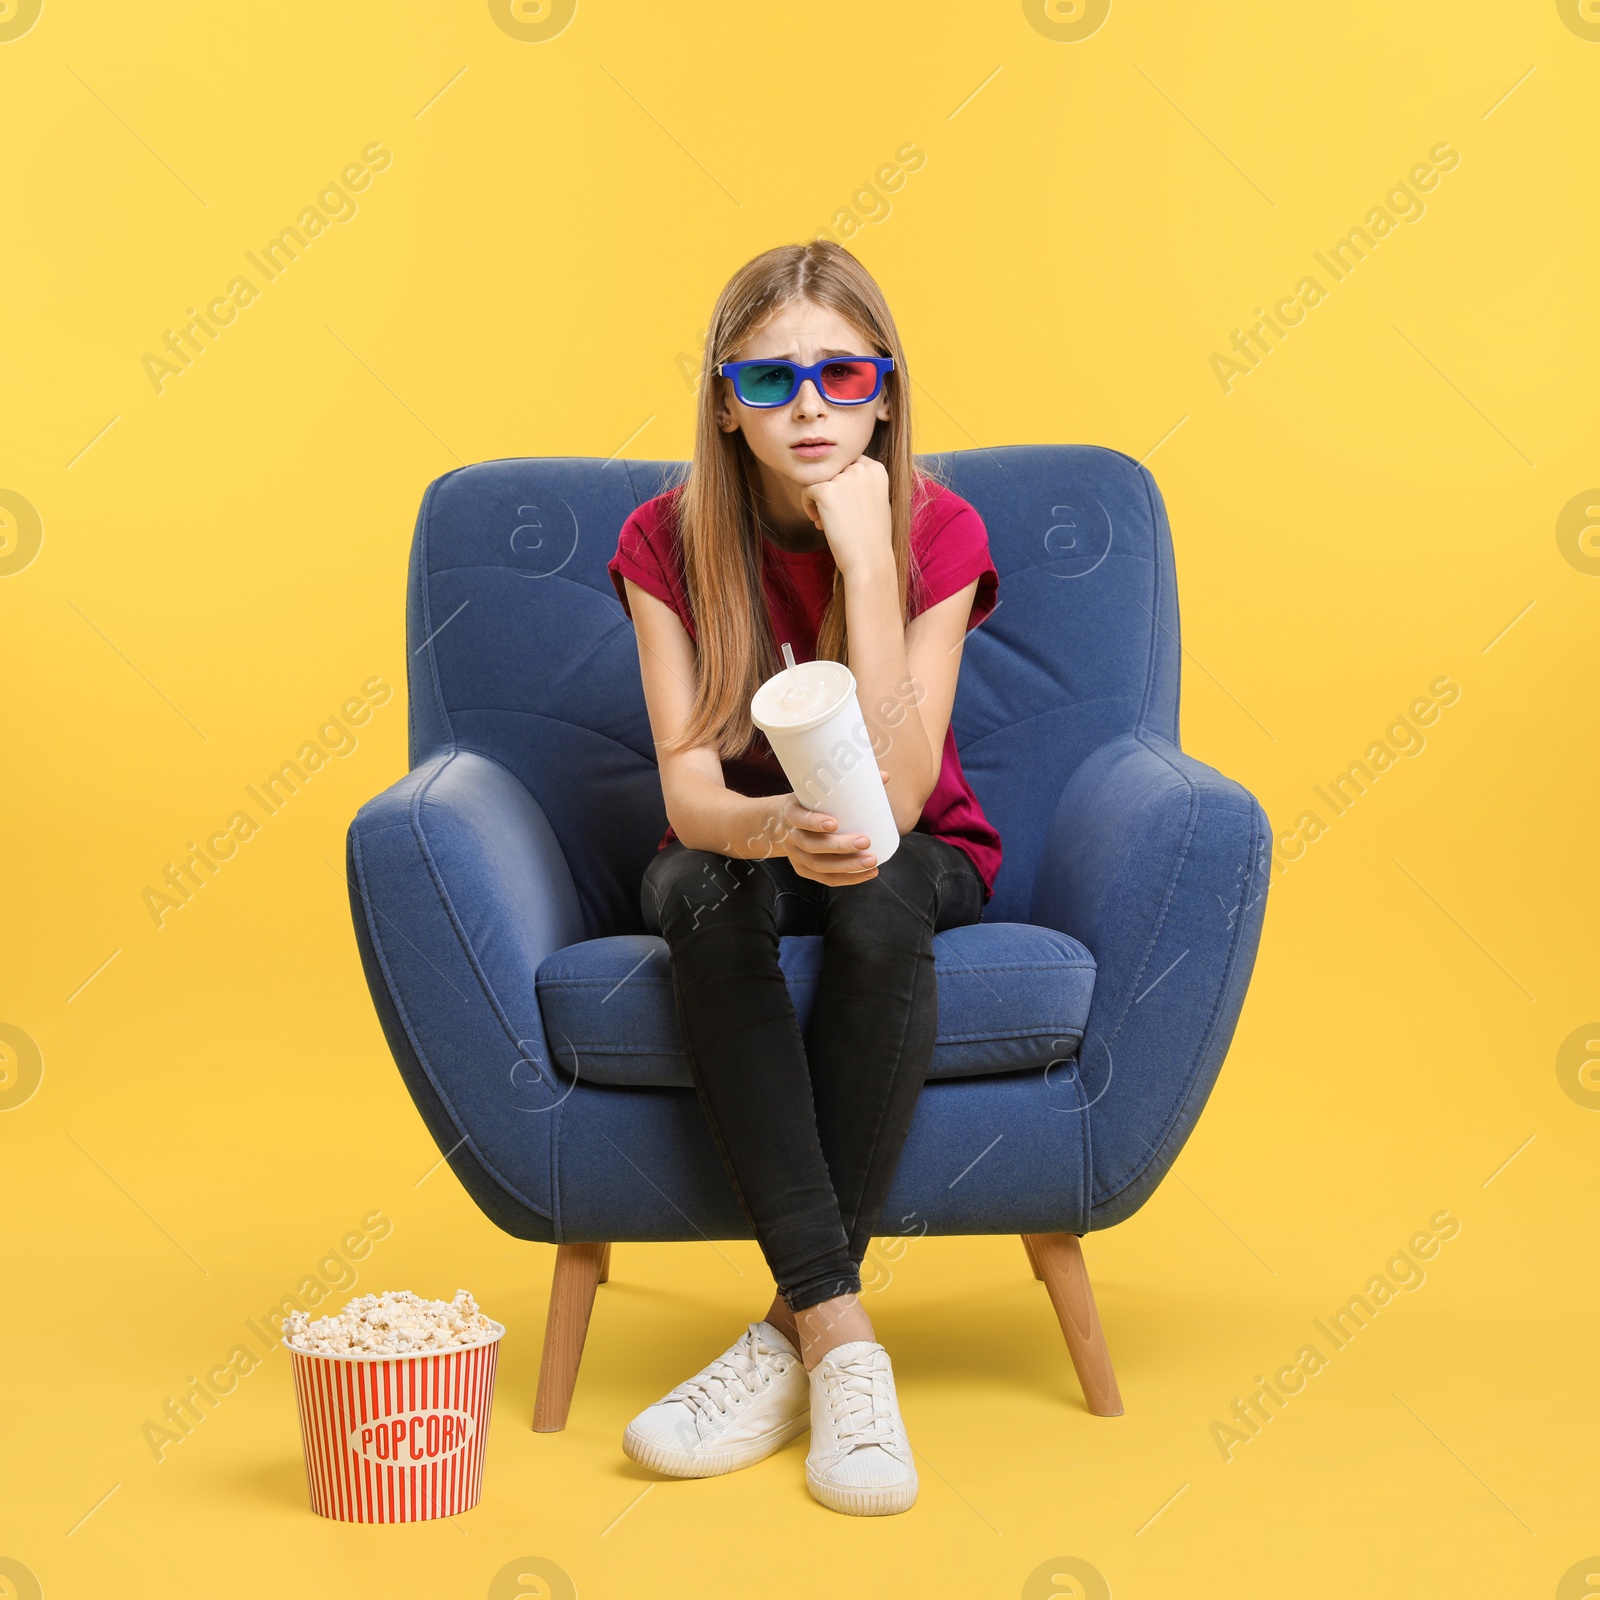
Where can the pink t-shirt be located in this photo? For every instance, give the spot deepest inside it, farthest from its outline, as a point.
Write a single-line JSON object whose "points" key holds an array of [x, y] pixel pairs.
{"points": [[951, 545]]}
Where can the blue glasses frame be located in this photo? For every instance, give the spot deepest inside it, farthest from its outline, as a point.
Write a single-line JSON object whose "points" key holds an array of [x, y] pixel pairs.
{"points": [[798, 375]]}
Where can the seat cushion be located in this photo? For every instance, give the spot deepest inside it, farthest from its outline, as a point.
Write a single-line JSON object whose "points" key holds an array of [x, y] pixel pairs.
{"points": [[1012, 997]]}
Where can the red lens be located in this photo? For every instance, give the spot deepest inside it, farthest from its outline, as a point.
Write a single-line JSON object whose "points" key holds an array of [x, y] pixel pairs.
{"points": [[849, 381]]}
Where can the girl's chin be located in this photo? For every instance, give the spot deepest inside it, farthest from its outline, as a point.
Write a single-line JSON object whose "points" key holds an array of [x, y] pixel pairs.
{"points": [[816, 469]]}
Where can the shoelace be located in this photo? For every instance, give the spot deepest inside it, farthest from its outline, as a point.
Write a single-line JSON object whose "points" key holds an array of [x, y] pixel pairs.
{"points": [[711, 1391], [858, 1392]]}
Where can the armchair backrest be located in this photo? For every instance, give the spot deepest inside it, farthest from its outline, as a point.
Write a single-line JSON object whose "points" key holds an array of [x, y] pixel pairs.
{"points": [[517, 647]]}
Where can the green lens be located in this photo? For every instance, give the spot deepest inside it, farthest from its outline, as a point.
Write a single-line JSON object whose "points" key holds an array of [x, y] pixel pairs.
{"points": [[766, 384]]}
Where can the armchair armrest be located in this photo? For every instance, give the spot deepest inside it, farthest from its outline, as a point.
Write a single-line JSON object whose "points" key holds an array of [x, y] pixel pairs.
{"points": [[1159, 864], [458, 889]]}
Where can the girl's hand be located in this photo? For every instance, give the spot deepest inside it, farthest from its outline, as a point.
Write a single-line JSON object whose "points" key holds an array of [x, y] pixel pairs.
{"points": [[819, 851], [852, 509]]}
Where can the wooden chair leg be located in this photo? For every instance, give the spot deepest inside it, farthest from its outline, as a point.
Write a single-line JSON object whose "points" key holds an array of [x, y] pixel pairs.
{"points": [[1033, 1260], [1061, 1265], [605, 1264], [578, 1271]]}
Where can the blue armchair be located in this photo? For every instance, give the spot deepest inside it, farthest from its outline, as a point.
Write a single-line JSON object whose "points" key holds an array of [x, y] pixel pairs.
{"points": [[495, 888]]}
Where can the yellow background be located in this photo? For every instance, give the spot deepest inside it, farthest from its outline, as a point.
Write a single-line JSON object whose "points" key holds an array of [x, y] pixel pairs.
{"points": [[223, 564]]}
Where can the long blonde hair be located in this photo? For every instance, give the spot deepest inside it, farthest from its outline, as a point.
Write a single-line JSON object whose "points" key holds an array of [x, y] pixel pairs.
{"points": [[715, 496]]}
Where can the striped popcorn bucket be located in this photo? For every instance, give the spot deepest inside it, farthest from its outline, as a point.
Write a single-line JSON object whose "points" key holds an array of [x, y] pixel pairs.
{"points": [[395, 1438]]}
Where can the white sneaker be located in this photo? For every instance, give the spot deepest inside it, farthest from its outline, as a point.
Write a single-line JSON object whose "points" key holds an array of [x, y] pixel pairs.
{"points": [[753, 1399], [860, 1459]]}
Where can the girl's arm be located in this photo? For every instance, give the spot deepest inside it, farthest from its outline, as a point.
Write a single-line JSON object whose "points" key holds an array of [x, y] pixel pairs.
{"points": [[704, 812], [906, 680], [905, 675]]}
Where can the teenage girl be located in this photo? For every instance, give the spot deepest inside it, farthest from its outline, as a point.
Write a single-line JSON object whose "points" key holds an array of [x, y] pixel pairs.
{"points": [[803, 519]]}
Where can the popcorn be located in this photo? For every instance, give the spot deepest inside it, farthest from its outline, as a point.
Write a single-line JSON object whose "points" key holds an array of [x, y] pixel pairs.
{"points": [[393, 1323]]}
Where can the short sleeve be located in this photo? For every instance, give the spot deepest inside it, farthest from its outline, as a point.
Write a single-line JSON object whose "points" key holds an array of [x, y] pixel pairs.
{"points": [[641, 556], [954, 553]]}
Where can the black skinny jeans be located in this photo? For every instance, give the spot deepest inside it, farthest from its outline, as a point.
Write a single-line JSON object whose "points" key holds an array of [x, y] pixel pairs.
{"points": [[810, 1129]]}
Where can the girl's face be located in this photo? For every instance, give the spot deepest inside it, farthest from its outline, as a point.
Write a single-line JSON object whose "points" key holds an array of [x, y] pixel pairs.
{"points": [[782, 437]]}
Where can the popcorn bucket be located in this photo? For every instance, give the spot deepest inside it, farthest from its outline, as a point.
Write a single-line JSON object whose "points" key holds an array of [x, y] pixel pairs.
{"points": [[395, 1438]]}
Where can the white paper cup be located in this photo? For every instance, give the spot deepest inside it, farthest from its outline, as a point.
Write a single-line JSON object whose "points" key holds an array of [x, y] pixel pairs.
{"points": [[395, 1438], [812, 720]]}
